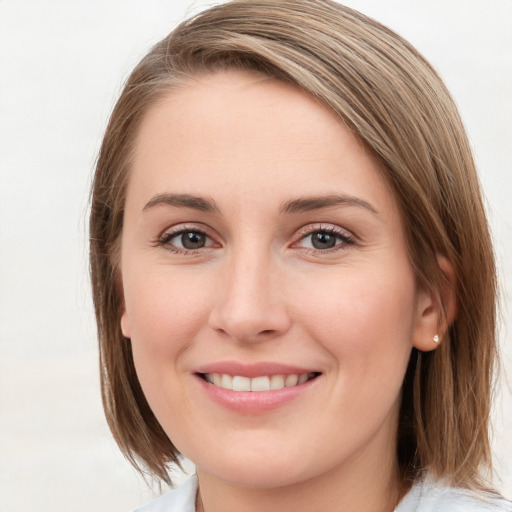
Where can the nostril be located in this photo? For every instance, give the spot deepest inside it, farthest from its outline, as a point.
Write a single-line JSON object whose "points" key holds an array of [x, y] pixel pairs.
{"points": [[244, 322]]}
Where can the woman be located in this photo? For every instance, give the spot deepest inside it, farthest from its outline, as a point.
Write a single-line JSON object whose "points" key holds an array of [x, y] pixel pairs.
{"points": [[292, 271]]}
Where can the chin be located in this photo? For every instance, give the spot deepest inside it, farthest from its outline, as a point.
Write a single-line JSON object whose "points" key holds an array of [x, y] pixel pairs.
{"points": [[268, 475], [260, 469]]}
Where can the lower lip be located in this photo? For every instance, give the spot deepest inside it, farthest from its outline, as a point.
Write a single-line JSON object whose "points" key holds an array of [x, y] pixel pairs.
{"points": [[254, 402]]}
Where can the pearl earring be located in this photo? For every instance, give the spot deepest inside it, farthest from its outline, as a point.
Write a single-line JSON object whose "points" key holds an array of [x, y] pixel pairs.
{"points": [[436, 338]]}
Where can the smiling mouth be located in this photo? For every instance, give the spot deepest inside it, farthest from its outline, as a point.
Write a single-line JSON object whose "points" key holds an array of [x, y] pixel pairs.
{"points": [[261, 383]]}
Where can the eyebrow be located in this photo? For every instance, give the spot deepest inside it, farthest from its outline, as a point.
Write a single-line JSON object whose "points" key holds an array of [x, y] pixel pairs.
{"points": [[303, 204], [307, 204], [184, 201]]}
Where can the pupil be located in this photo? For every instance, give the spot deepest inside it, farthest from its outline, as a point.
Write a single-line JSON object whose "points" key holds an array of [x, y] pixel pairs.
{"points": [[323, 241], [192, 240]]}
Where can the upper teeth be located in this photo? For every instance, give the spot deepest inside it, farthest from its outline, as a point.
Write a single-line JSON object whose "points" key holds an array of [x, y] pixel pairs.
{"points": [[263, 383]]}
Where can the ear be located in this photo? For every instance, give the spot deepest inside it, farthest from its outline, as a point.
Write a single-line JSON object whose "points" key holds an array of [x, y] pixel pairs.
{"points": [[125, 325], [436, 310]]}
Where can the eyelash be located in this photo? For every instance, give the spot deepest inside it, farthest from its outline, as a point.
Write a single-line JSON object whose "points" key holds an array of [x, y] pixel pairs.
{"points": [[164, 239], [308, 231]]}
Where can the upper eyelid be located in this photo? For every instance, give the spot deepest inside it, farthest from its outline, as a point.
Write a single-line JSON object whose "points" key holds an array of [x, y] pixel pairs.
{"points": [[316, 227], [186, 226]]}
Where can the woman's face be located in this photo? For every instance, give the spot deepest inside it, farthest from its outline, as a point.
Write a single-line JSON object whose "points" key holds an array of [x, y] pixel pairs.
{"points": [[262, 249]]}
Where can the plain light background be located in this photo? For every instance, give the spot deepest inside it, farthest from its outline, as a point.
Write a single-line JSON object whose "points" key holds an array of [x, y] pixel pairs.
{"points": [[62, 64]]}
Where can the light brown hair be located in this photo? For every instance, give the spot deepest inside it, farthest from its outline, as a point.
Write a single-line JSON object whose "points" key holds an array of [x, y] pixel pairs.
{"points": [[392, 100]]}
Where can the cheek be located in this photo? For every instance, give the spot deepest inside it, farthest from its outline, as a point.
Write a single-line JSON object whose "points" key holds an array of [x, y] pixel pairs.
{"points": [[165, 313], [365, 324], [363, 316]]}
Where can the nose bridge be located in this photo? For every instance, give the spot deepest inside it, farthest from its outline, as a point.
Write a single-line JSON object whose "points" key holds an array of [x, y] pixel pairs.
{"points": [[250, 305]]}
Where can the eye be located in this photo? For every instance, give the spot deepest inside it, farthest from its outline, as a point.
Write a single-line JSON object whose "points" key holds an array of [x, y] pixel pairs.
{"points": [[189, 240], [185, 239], [324, 239]]}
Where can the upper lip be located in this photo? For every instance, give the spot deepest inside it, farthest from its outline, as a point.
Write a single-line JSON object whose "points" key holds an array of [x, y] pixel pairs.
{"points": [[252, 370]]}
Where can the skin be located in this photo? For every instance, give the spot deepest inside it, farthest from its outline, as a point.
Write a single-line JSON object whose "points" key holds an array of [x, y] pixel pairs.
{"points": [[259, 290]]}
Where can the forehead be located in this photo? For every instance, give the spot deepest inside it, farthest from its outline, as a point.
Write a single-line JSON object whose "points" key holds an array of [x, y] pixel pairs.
{"points": [[213, 107], [244, 134]]}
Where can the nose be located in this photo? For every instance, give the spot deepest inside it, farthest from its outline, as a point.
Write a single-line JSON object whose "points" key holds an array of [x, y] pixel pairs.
{"points": [[250, 305]]}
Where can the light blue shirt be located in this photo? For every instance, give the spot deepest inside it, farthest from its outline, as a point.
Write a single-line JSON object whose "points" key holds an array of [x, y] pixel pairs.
{"points": [[425, 496]]}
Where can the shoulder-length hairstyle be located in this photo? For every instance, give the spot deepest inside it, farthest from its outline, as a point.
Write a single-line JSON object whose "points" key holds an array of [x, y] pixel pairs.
{"points": [[392, 100]]}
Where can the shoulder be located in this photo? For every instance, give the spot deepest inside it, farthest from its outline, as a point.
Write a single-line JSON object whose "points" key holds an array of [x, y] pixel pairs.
{"points": [[431, 496], [179, 499]]}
